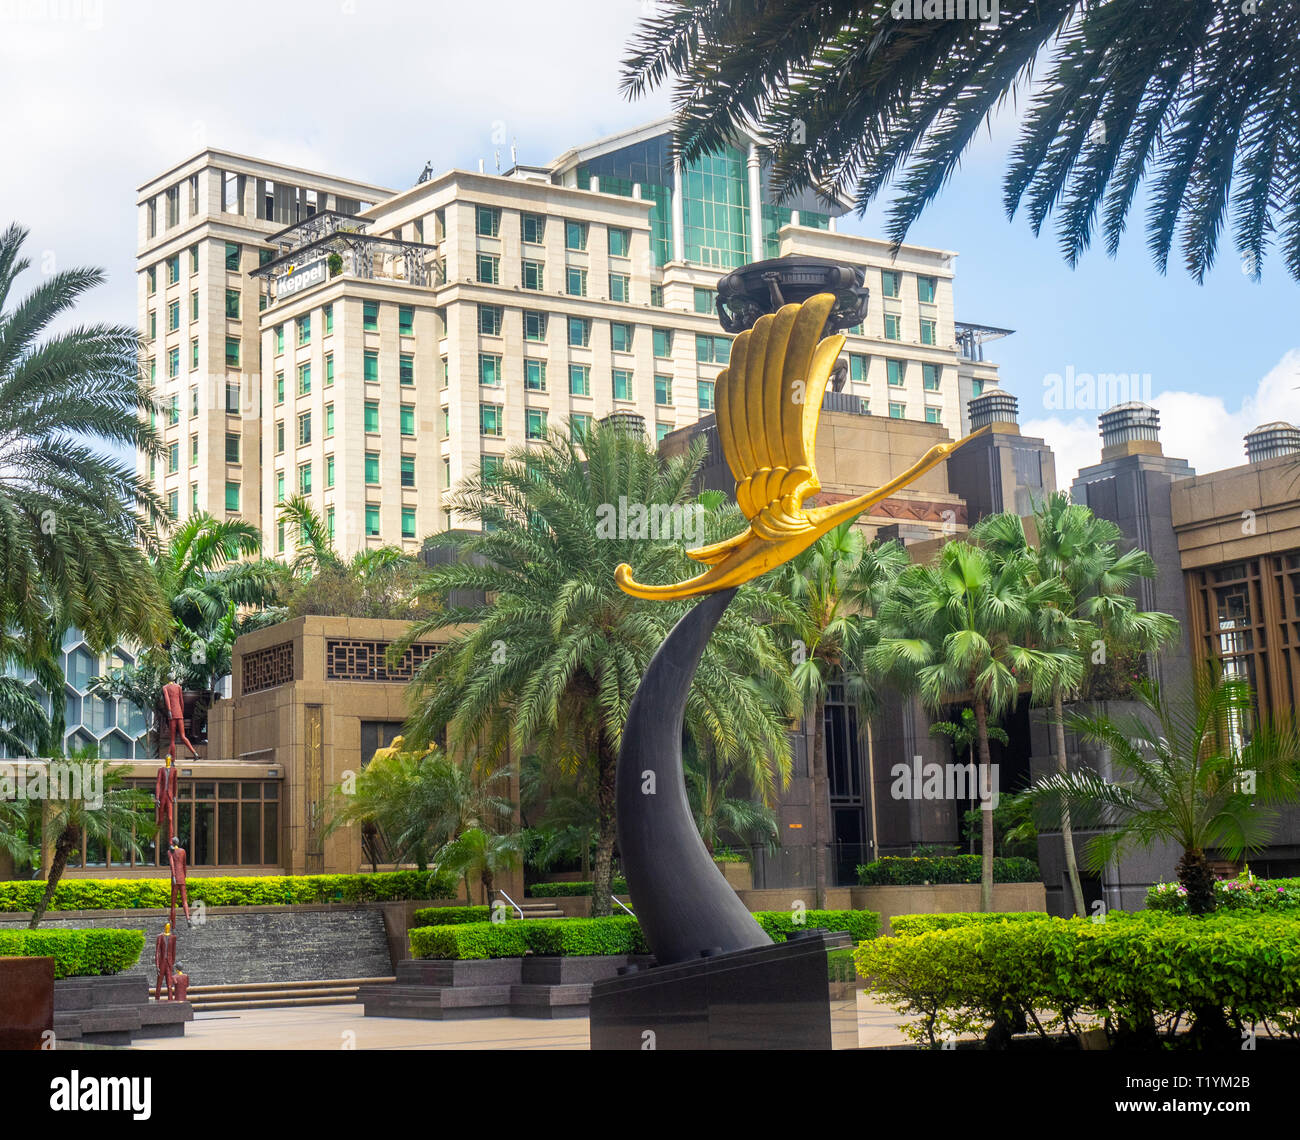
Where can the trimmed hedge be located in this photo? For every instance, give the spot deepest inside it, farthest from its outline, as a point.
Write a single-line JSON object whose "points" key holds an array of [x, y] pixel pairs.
{"points": [[1233, 895], [449, 915], [901, 871], [246, 890], [861, 924], [904, 925], [1144, 976], [520, 937], [621, 934], [76, 953], [570, 890]]}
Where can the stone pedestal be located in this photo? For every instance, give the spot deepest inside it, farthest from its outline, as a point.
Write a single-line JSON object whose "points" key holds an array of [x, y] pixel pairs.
{"points": [[768, 997], [26, 1001]]}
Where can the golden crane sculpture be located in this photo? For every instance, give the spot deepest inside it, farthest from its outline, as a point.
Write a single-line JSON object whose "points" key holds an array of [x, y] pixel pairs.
{"points": [[768, 402]]}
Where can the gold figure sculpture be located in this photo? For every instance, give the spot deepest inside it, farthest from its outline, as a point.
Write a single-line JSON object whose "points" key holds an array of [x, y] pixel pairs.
{"points": [[767, 403]]}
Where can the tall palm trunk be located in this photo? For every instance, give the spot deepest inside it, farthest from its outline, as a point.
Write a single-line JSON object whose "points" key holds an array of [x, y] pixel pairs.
{"points": [[1195, 876], [821, 802], [1067, 830], [69, 837], [602, 878], [984, 776]]}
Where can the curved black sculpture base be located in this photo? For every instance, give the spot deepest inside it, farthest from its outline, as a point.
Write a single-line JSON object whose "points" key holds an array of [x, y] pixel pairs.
{"points": [[684, 904]]}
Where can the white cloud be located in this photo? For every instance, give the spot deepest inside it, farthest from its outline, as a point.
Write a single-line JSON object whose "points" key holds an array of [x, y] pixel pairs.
{"points": [[1202, 429]]}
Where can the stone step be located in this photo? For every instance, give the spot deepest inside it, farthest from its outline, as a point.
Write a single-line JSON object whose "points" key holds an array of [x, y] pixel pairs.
{"points": [[266, 995]]}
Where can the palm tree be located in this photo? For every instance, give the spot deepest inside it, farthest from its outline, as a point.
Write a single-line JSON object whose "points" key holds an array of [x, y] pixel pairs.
{"points": [[964, 734], [961, 626], [549, 662], [856, 95], [99, 806], [1186, 775], [482, 853], [374, 582], [1080, 551], [209, 564], [74, 523], [721, 815], [834, 589]]}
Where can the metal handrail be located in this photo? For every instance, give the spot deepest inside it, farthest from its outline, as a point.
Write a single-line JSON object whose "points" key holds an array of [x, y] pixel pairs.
{"points": [[615, 899], [518, 909]]}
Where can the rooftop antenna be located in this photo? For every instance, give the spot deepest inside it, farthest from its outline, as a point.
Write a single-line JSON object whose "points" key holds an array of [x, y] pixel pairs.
{"points": [[514, 154], [480, 166], [496, 154]]}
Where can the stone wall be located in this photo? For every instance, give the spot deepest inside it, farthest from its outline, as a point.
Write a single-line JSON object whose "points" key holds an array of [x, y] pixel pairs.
{"points": [[945, 898], [253, 943]]}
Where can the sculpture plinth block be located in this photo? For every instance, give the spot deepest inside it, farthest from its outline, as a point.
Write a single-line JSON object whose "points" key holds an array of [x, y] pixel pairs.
{"points": [[767, 997]]}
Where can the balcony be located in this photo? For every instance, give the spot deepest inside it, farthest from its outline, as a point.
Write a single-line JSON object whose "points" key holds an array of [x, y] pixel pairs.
{"points": [[331, 244]]}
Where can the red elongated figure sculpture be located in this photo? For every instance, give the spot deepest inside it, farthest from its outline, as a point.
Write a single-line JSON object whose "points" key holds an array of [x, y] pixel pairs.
{"points": [[164, 790], [176, 860], [174, 700], [164, 959]]}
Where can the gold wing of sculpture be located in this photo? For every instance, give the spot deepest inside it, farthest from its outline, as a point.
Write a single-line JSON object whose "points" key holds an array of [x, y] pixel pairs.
{"points": [[767, 404]]}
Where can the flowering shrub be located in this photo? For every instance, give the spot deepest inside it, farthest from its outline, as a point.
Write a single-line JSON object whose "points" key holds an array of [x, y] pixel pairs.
{"points": [[1232, 894]]}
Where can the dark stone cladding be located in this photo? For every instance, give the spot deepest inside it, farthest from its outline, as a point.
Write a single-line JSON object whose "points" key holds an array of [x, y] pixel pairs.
{"points": [[255, 944], [537, 987], [114, 1010]]}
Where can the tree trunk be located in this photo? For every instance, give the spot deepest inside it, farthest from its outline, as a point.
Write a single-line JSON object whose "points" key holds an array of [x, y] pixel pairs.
{"points": [[1197, 879], [68, 838], [984, 776], [821, 801], [602, 877], [1067, 830]]}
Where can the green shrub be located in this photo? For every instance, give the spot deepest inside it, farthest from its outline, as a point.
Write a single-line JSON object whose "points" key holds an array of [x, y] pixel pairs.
{"points": [[1144, 976], [900, 871], [620, 934], [570, 890], [907, 924], [861, 924], [1232, 894], [449, 915], [244, 890], [76, 953]]}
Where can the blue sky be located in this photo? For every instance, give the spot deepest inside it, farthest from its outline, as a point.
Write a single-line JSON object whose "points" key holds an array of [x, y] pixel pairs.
{"points": [[375, 88]]}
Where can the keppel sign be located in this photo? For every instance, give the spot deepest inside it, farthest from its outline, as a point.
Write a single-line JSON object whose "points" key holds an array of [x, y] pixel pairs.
{"points": [[300, 278]]}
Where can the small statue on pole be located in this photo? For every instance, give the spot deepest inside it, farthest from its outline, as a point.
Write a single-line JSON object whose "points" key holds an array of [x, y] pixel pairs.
{"points": [[176, 861]]}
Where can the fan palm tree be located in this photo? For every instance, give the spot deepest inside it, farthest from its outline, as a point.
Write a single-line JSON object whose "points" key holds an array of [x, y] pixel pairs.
{"points": [[1184, 774], [834, 589], [1080, 551], [550, 663], [964, 733], [853, 95], [74, 523], [962, 626]]}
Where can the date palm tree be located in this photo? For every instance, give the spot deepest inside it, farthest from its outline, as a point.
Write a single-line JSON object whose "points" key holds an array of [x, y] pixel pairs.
{"points": [[1188, 771], [961, 627], [834, 589], [549, 661], [1080, 551], [1196, 97], [74, 522]]}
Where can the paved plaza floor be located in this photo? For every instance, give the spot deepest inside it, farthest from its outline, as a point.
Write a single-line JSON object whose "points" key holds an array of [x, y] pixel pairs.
{"points": [[346, 1027]]}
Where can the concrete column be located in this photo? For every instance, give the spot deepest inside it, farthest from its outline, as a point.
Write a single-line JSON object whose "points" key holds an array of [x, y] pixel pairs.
{"points": [[831, 224], [755, 204], [679, 220]]}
